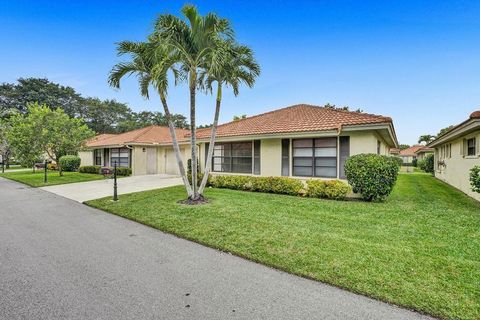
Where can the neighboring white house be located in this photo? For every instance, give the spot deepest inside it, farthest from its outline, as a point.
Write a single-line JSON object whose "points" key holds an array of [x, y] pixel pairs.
{"points": [[456, 152], [298, 141]]}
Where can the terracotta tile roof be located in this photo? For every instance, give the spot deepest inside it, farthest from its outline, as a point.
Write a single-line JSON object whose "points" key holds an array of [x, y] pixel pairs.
{"points": [[425, 149], [147, 135], [410, 151], [297, 118]]}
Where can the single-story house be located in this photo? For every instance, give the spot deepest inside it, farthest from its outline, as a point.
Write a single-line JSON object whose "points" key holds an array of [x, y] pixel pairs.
{"points": [[298, 141], [409, 154], [421, 153], [456, 152], [147, 150]]}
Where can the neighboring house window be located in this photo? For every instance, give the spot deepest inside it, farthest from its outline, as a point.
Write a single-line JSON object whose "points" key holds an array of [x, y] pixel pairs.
{"points": [[97, 155], [120, 156], [379, 144], [315, 157], [471, 147], [232, 157], [256, 157], [285, 157]]}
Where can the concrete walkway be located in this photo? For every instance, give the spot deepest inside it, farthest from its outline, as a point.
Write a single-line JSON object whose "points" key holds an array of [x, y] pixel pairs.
{"points": [[83, 191], [60, 259]]}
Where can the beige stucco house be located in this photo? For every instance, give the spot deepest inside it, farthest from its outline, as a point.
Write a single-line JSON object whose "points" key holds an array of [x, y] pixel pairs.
{"points": [[409, 154], [456, 152], [421, 153], [298, 141]]}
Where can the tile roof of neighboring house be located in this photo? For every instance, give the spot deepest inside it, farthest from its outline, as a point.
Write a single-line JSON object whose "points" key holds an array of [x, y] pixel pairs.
{"points": [[296, 118], [147, 135], [425, 149], [410, 151]]}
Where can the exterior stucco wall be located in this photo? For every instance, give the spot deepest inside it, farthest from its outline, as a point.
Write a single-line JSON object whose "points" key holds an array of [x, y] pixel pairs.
{"points": [[456, 171], [86, 158], [139, 161], [271, 151], [271, 157]]}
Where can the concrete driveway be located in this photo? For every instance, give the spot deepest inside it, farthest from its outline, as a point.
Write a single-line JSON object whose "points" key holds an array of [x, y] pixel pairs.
{"points": [[83, 191], [60, 259]]}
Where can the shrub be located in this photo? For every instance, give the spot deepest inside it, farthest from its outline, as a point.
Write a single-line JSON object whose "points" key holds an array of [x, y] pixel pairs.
{"points": [[89, 169], [414, 162], [371, 175], [280, 185], [429, 163], [199, 178], [69, 163], [422, 164], [123, 171], [475, 178], [398, 160], [330, 189]]}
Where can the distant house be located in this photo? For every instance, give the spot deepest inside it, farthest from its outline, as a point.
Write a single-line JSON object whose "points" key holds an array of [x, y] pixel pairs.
{"points": [[409, 154], [456, 152], [421, 153], [299, 141]]}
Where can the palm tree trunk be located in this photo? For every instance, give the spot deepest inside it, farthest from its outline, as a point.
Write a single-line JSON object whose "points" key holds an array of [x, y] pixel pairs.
{"points": [[176, 148], [208, 161], [193, 133]]}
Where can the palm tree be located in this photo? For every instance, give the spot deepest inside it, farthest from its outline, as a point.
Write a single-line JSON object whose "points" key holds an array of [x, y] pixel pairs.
{"points": [[151, 62], [232, 65], [192, 42]]}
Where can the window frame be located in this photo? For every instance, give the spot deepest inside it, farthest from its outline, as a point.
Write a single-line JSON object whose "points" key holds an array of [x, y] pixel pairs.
{"points": [[118, 158], [314, 157], [473, 147], [231, 157], [97, 155]]}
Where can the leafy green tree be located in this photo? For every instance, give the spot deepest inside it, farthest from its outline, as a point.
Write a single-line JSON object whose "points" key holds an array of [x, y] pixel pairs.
{"points": [[193, 43], [444, 130], [404, 146], [30, 90], [105, 116], [151, 63], [427, 138], [232, 66], [49, 132], [236, 118], [5, 147]]}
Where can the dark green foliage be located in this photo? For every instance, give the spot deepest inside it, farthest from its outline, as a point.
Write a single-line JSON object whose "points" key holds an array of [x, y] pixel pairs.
{"points": [[69, 163], [475, 178], [89, 169], [398, 160], [426, 164], [329, 189], [279, 185], [371, 175], [415, 162], [123, 171]]}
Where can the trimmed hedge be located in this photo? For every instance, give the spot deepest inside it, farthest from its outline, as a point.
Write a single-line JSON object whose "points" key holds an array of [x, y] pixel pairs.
{"points": [[371, 175], [121, 171], [69, 163], [280, 185], [89, 169], [329, 189]]}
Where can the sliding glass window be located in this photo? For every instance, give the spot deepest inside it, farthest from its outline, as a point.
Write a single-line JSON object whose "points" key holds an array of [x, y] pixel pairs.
{"points": [[232, 157], [315, 157], [120, 156]]}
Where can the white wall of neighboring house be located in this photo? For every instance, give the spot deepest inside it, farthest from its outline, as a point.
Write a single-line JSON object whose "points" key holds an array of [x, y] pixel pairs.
{"points": [[457, 165]]}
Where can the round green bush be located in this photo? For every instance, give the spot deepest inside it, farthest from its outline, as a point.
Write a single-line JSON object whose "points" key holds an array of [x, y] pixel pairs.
{"points": [[69, 163], [475, 178], [371, 175], [429, 163]]}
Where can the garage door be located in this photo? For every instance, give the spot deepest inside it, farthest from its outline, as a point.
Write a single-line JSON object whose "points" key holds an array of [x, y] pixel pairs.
{"points": [[171, 166]]}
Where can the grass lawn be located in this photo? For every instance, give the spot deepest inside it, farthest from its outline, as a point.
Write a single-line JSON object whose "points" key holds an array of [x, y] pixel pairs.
{"points": [[53, 178], [420, 249]]}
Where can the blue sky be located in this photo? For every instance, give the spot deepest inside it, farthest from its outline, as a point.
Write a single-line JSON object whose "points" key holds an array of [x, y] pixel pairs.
{"points": [[416, 61]]}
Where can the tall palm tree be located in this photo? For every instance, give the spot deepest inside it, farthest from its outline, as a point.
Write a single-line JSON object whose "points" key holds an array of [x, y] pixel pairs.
{"points": [[232, 65], [151, 62], [192, 42]]}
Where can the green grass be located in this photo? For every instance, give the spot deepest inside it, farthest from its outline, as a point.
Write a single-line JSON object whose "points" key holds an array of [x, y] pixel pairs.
{"points": [[53, 178], [420, 249]]}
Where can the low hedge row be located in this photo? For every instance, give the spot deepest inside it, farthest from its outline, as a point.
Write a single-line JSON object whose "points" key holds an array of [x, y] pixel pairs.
{"points": [[121, 171], [329, 189]]}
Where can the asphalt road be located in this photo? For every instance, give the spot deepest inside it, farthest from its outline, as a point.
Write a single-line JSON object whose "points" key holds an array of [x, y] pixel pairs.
{"points": [[62, 260]]}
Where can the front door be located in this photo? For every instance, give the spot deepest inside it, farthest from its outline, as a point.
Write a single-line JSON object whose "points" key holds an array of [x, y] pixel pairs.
{"points": [[151, 160]]}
